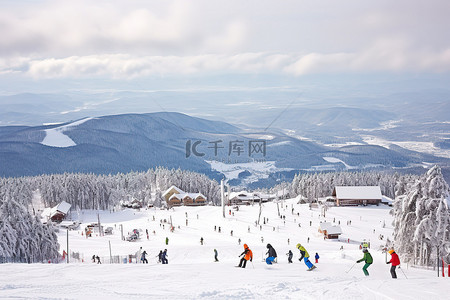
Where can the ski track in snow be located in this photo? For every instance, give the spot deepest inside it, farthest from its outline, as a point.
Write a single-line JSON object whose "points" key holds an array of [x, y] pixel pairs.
{"points": [[55, 137], [192, 274]]}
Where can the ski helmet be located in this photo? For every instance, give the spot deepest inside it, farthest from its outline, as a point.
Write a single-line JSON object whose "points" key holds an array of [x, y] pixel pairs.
{"points": [[391, 251], [298, 246]]}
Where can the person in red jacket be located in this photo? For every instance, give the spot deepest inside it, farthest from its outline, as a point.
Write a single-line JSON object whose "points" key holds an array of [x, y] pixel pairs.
{"points": [[395, 261]]}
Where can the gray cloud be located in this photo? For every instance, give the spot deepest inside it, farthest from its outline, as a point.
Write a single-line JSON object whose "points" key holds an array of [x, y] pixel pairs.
{"points": [[128, 39]]}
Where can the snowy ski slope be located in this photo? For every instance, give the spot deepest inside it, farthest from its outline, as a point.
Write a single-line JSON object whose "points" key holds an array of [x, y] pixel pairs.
{"points": [[193, 274]]}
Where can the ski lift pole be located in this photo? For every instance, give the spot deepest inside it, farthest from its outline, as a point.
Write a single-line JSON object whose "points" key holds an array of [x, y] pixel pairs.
{"points": [[350, 268]]}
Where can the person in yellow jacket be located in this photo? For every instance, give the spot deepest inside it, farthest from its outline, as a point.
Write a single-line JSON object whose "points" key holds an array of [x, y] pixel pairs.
{"points": [[305, 257]]}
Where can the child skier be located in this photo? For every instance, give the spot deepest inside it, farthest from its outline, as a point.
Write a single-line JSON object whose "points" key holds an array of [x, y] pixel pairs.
{"points": [[395, 261], [305, 257], [143, 258], [317, 257], [367, 259], [247, 255], [290, 254], [272, 254], [215, 255]]}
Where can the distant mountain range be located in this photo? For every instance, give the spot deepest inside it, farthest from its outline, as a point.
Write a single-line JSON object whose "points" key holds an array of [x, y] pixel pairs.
{"points": [[136, 142]]}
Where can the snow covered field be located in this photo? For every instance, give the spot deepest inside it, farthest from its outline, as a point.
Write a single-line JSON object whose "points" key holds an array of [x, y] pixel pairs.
{"points": [[193, 274]]}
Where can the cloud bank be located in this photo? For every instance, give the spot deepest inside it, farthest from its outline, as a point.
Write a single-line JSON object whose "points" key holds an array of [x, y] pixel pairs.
{"points": [[130, 39]]}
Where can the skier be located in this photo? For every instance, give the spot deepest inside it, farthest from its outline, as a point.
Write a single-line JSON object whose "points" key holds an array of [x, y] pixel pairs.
{"points": [[395, 261], [272, 254], [164, 257], [93, 258], [305, 257], [239, 241], [167, 240], [143, 258], [215, 255], [247, 255], [290, 254], [98, 259], [317, 257], [367, 259], [201, 240], [160, 256]]}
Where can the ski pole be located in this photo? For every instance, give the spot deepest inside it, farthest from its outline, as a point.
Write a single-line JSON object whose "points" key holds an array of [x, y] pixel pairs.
{"points": [[350, 268], [402, 272]]}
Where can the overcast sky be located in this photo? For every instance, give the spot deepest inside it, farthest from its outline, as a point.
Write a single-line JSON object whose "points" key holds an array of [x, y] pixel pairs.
{"points": [[127, 40]]}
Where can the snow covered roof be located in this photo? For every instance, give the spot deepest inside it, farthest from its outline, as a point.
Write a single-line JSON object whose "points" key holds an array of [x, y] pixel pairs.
{"points": [[179, 191], [63, 207], [191, 195], [330, 228], [244, 195], [357, 192]]}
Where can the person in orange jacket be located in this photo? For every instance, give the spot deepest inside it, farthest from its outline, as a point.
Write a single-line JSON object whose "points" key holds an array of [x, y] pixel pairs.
{"points": [[247, 255], [395, 261]]}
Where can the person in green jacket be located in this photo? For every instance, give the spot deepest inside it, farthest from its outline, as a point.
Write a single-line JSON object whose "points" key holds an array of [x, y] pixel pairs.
{"points": [[367, 259]]}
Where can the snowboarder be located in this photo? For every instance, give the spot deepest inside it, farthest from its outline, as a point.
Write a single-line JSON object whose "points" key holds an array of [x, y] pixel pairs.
{"points": [[367, 259], [246, 255], [271, 254], [395, 261], [201, 241], [290, 255], [167, 240], [305, 257], [164, 257], [317, 257], [215, 255], [143, 258]]}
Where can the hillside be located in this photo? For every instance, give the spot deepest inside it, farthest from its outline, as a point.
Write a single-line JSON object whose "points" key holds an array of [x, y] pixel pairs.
{"points": [[193, 274], [137, 142]]}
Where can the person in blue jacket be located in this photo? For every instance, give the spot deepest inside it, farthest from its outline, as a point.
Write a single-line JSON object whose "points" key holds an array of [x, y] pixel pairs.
{"points": [[317, 257], [271, 254]]}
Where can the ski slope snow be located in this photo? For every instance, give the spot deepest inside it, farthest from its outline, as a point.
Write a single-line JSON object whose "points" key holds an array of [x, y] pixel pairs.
{"points": [[193, 274]]}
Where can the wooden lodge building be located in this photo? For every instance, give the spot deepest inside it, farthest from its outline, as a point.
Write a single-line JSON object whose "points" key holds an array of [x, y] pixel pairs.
{"points": [[357, 195], [177, 197], [330, 231]]}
